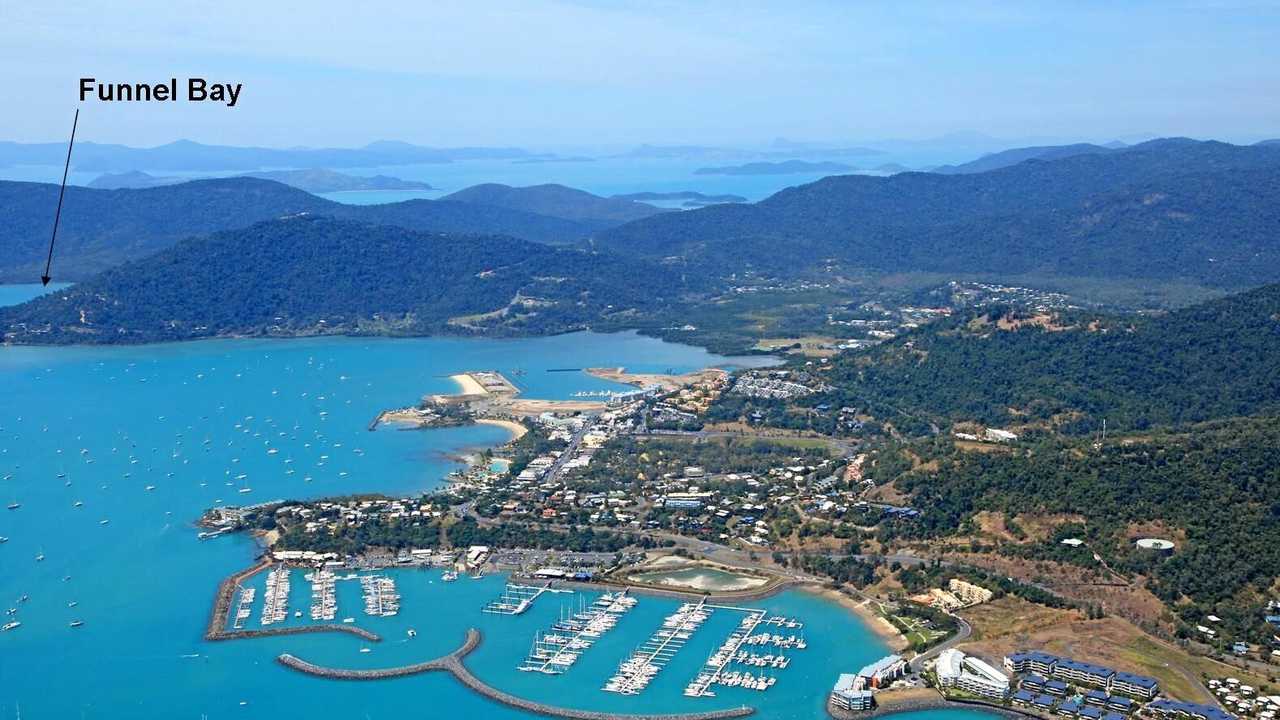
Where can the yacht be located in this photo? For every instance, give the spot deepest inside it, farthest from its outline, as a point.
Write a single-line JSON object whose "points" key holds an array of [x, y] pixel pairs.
{"points": [[9, 625], [76, 623], [15, 505]]}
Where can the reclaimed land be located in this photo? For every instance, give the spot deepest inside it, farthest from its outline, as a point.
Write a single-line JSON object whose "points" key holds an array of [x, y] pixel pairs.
{"points": [[452, 664], [217, 629]]}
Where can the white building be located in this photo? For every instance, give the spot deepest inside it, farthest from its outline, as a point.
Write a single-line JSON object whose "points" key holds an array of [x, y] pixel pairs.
{"points": [[970, 674]]}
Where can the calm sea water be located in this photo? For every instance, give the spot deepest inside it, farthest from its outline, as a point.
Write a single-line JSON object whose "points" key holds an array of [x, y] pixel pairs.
{"points": [[605, 176], [145, 438]]}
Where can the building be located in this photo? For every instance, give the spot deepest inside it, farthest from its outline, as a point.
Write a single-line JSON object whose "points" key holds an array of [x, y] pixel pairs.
{"points": [[970, 674], [1080, 673], [1083, 673], [882, 672], [969, 593], [995, 435], [1031, 661], [1179, 709], [847, 695], [1139, 686]]}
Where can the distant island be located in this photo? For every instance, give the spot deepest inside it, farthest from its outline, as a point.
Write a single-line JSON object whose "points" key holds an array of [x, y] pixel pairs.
{"points": [[313, 181], [691, 197], [786, 167]]}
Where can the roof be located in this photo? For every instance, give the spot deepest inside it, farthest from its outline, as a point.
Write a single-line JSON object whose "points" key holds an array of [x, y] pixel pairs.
{"points": [[844, 682], [1091, 712], [880, 665], [1095, 694], [1024, 695], [1056, 685], [1070, 706], [1046, 700], [1117, 700], [1034, 679], [1211, 712], [1138, 680], [1085, 667], [1034, 655]]}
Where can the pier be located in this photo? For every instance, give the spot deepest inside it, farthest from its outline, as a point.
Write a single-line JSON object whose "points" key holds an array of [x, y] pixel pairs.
{"points": [[452, 664], [516, 598], [553, 652], [636, 672]]}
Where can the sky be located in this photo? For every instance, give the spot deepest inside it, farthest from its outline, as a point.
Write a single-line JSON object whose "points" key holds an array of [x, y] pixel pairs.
{"points": [[563, 73]]}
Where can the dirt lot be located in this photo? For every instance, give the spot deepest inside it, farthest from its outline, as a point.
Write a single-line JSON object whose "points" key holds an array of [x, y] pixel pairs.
{"points": [[1011, 624]]}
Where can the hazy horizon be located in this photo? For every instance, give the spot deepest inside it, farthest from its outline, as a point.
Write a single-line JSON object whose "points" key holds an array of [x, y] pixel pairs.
{"points": [[593, 74]]}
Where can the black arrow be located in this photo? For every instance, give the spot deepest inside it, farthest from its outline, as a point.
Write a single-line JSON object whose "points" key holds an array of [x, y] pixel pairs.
{"points": [[44, 279]]}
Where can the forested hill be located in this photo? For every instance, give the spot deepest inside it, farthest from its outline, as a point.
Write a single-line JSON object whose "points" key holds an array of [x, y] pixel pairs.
{"points": [[556, 201], [1214, 488], [1218, 359], [103, 228], [314, 275], [1203, 211]]}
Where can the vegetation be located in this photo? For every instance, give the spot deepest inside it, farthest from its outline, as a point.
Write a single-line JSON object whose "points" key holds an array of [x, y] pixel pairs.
{"points": [[311, 275], [1214, 489], [1218, 359], [1166, 210], [104, 228]]}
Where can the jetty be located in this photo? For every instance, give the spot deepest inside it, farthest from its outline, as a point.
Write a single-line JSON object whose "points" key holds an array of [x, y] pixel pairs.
{"points": [[556, 651], [516, 598], [637, 671], [452, 664]]}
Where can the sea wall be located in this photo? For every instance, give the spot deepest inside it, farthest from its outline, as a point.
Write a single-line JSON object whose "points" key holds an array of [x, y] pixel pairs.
{"points": [[452, 664]]}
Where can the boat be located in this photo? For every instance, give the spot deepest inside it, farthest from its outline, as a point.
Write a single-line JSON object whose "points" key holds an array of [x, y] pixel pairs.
{"points": [[411, 632], [15, 505], [364, 650], [76, 623], [348, 620], [9, 626], [449, 575], [3, 539]]}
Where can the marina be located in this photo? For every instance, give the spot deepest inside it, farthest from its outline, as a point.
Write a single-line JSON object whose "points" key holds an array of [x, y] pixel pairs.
{"points": [[554, 652], [245, 607], [638, 670], [716, 672]]}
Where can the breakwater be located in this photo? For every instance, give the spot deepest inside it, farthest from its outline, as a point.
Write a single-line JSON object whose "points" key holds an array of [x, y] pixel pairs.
{"points": [[217, 628], [933, 701], [452, 664]]}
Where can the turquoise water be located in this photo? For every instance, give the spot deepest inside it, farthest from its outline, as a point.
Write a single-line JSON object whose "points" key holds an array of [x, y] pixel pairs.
{"points": [[147, 437]]}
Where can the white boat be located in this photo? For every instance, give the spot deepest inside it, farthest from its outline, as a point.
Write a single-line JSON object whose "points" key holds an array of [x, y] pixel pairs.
{"points": [[9, 626]]}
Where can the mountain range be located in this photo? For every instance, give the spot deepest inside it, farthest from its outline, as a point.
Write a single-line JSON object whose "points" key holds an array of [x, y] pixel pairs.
{"points": [[556, 201], [316, 180], [103, 228], [1205, 212]]}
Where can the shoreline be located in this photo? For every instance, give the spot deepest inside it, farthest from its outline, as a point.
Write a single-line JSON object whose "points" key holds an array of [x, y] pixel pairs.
{"points": [[883, 629], [468, 386], [517, 430]]}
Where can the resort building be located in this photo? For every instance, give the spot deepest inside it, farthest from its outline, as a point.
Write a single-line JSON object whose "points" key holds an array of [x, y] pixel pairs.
{"points": [[1179, 709], [882, 672], [970, 674], [846, 694], [1081, 673], [969, 593]]}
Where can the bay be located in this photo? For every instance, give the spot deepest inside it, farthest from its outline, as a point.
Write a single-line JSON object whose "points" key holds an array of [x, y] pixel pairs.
{"points": [[147, 437]]}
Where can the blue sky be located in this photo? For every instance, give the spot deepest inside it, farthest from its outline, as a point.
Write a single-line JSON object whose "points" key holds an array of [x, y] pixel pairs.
{"points": [[553, 74]]}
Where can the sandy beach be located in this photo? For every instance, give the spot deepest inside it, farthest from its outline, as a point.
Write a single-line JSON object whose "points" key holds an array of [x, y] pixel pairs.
{"points": [[468, 385], [517, 429], [881, 627]]}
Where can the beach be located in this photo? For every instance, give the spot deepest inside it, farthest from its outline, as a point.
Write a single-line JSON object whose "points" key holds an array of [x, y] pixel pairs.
{"points": [[468, 385], [517, 429], [874, 622]]}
